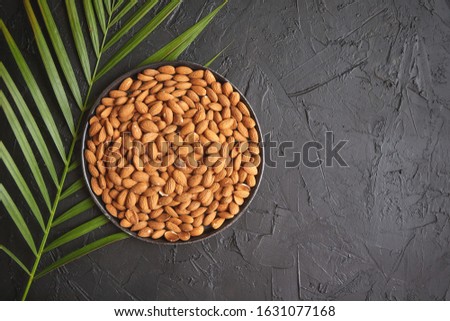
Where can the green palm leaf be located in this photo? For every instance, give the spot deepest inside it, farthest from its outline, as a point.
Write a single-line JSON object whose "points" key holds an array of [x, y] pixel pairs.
{"points": [[21, 183], [108, 5], [25, 146], [72, 166], [139, 37], [173, 49], [106, 13], [210, 61], [100, 11], [130, 4], [78, 37], [92, 25], [34, 90], [15, 258], [29, 120], [76, 186], [74, 211], [77, 232], [118, 4], [17, 218], [131, 22], [83, 251], [60, 51], [49, 65]]}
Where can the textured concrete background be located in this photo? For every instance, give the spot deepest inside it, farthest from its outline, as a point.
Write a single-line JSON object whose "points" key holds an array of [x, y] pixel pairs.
{"points": [[373, 72]]}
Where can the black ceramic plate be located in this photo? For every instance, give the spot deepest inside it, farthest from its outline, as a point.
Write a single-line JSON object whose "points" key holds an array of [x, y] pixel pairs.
{"points": [[208, 231]]}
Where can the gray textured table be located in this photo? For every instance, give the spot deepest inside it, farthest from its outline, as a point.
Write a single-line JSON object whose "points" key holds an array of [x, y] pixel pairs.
{"points": [[374, 73]]}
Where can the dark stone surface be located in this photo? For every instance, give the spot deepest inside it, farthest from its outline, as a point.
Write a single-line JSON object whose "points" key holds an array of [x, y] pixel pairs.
{"points": [[373, 72]]}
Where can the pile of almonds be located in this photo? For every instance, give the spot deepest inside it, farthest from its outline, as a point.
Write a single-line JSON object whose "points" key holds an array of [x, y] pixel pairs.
{"points": [[172, 153]]}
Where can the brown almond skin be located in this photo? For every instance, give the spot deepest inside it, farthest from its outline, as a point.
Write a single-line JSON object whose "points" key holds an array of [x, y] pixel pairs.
{"points": [[140, 176], [115, 178], [126, 110], [163, 96], [186, 227], [126, 84], [171, 236], [179, 177], [158, 234], [145, 232], [250, 169], [196, 74], [210, 135], [184, 236], [209, 77], [157, 181], [183, 70], [148, 126], [111, 210], [217, 223], [227, 123], [90, 157], [172, 227], [156, 225], [167, 70], [125, 223], [197, 231], [209, 218]]}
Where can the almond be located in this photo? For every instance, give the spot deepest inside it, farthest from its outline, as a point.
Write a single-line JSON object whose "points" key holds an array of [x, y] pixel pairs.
{"points": [[179, 177], [157, 181], [183, 70], [148, 126]]}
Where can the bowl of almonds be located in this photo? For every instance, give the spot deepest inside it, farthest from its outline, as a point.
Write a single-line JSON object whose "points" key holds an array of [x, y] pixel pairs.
{"points": [[172, 153]]}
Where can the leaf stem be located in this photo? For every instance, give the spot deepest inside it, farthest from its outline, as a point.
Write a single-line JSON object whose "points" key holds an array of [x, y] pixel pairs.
{"points": [[66, 169]]}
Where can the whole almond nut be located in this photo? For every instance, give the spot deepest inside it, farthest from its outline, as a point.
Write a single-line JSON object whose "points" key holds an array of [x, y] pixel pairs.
{"points": [[250, 169], [157, 181], [183, 70], [171, 236], [156, 225], [158, 234], [172, 227], [184, 236], [210, 135], [197, 231], [126, 110], [217, 222], [227, 89], [200, 91], [94, 129], [115, 178], [126, 84], [163, 96], [125, 223], [226, 124], [215, 106], [209, 77], [111, 210], [148, 126], [139, 188], [167, 70], [145, 232], [209, 218], [196, 74], [90, 157], [179, 177], [140, 176]]}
